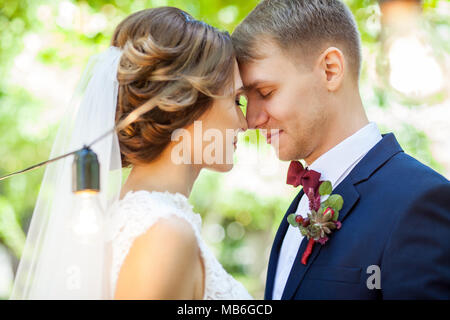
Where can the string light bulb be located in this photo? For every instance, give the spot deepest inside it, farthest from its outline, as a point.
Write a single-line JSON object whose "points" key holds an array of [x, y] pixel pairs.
{"points": [[87, 223], [88, 215]]}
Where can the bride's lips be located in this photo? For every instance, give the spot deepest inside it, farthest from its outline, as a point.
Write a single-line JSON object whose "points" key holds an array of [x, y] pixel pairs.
{"points": [[270, 136]]}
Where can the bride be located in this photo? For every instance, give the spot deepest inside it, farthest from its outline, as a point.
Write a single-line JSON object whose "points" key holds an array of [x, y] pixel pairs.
{"points": [[184, 73]]}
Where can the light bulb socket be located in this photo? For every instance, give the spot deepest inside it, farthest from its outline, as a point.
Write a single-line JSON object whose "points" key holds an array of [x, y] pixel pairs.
{"points": [[85, 171]]}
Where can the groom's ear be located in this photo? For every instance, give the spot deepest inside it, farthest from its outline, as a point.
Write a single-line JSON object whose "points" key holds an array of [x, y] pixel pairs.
{"points": [[332, 67]]}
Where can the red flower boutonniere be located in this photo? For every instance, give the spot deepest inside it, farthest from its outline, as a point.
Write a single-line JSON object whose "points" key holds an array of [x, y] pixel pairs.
{"points": [[322, 218]]}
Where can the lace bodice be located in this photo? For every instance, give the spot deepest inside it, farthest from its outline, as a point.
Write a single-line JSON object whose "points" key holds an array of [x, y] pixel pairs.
{"points": [[139, 210]]}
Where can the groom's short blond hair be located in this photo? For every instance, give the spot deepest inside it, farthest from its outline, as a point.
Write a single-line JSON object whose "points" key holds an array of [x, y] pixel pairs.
{"points": [[308, 25]]}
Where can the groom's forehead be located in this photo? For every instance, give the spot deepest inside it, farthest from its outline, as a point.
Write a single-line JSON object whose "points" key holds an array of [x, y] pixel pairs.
{"points": [[254, 74], [265, 70]]}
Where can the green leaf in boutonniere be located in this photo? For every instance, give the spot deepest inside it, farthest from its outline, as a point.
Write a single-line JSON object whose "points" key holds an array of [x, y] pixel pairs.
{"points": [[325, 188], [291, 220], [335, 201]]}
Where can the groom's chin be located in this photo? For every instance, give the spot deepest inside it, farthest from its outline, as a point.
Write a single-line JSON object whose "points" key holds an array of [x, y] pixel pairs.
{"points": [[287, 154], [285, 158], [282, 153]]}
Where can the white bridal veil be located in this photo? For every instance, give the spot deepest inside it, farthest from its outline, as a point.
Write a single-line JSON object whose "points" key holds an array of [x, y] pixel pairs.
{"points": [[53, 263]]}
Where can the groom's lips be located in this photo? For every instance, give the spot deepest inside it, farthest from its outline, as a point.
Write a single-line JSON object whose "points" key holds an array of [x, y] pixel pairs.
{"points": [[270, 136]]}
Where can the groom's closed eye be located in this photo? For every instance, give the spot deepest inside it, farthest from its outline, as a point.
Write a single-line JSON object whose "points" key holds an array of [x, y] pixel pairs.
{"points": [[265, 93]]}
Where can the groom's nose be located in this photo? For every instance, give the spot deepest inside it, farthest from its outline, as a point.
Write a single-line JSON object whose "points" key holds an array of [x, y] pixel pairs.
{"points": [[256, 115]]}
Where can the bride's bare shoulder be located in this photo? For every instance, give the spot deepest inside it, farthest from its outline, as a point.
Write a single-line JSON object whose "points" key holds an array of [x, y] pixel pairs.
{"points": [[161, 262], [169, 233]]}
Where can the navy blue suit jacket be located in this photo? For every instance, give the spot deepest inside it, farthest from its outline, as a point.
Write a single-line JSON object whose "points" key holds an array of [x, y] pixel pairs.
{"points": [[396, 215]]}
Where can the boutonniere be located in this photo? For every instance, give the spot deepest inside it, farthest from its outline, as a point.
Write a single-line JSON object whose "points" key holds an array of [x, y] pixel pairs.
{"points": [[322, 218]]}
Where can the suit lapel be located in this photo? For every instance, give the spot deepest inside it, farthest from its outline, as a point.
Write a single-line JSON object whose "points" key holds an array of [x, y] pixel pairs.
{"points": [[274, 253], [374, 159], [351, 196]]}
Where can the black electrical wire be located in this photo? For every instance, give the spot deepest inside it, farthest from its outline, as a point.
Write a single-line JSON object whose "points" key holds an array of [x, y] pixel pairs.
{"points": [[122, 124], [38, 165]]}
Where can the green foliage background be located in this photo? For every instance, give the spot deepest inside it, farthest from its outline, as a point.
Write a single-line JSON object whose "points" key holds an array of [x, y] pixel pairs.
{"points": [[249, 221]]}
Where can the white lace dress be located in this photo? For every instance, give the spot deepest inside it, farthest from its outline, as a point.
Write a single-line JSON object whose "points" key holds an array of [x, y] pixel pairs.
{"points": [[139, 210]]}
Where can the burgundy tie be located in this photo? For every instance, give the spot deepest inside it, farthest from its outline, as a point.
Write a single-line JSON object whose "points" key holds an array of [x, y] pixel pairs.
{"points": [[297, 175], [309, 179]]}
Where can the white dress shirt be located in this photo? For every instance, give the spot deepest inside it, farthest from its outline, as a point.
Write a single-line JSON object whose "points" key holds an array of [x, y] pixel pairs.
{"points": [[334, 165]]}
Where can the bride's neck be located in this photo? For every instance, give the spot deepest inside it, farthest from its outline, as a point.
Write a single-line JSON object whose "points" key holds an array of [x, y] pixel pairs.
{"points": [[162, 175]]}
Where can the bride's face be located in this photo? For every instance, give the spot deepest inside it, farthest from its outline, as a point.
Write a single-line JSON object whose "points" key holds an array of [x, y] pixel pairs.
{"points": [[215, 132]]}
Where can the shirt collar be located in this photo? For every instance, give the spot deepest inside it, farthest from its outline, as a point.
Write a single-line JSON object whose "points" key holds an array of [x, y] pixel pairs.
{"points": [[336, 161]]}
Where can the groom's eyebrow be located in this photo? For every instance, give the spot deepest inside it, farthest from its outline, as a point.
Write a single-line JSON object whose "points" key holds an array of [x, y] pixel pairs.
{"points": [[251, 86], [254, 84]]}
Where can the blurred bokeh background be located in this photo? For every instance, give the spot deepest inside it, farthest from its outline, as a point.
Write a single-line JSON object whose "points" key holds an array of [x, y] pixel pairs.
{"points": [[44, 46]]}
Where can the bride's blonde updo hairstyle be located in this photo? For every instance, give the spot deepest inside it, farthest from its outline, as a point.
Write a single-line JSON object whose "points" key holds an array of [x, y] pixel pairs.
{"points": [[180, 63]]}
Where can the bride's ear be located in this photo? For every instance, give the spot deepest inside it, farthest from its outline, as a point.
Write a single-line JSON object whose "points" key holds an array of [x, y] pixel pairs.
{"points": [[332, 66]]}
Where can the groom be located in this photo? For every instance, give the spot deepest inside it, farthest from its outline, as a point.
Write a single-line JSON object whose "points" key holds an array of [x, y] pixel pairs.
{"points": [[300, 63]]}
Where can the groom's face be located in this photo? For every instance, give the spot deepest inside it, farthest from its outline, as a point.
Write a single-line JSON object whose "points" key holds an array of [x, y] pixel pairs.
{"points": [[285, 93]]}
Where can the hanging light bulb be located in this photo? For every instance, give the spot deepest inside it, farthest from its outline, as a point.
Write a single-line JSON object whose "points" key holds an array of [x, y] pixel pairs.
{"points": [[87, 220], [88, 217], [82, 263], [87, 226]]}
